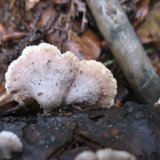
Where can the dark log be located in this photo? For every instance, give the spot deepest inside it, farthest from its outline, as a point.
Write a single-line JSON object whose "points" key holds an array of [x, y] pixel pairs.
{"points": [[126, 48], [134, 128]]}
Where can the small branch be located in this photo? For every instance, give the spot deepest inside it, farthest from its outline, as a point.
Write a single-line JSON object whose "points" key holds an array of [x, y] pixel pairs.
{"points": [[126, 48]]}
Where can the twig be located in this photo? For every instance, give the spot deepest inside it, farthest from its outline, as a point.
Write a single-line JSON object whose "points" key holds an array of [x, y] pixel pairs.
{"points": [[12, 36], [126, 48]]}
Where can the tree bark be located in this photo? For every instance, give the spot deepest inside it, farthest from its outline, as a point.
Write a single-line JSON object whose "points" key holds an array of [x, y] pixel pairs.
{"points": [[126, 48]]}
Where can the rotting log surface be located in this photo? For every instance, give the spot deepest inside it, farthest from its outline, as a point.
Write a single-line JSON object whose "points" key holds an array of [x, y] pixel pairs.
{"points": [[126, 48], [133, 127]]}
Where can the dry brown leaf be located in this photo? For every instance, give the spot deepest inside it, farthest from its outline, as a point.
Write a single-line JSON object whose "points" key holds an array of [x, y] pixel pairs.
{"points": [[30, 4], [2, 28], [12, 36], [142, 11], [86, 46], [5, 99], [57, 2], [63, 33], [6, 102], [2, 71], [47, 14], [155, 59], [149, 31], [2, 89]]}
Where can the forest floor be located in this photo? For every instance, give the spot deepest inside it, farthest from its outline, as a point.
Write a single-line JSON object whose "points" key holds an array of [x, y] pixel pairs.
{"points": [[69, 25]]}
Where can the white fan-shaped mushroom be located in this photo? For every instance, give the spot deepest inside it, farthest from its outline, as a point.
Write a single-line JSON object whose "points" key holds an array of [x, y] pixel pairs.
{"points": [[86, 155], [94, 85], [105, 154], [110, 154], [9, 143], [43, 74]]}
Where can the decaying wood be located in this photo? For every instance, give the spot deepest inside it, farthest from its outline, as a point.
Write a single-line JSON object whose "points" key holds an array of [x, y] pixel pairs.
{"points": [[134, 128], [126, 48]]}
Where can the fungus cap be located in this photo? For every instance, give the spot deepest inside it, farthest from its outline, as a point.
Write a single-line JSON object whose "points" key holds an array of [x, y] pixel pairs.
{"points": [[110, 154], [105, 154], [9, 143], [94, 85], [43, 74], [157, 104], [86, 155], [53, 79]]}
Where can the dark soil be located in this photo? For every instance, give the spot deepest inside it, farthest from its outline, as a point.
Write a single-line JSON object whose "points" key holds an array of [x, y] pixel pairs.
{"points": [[133, 127]]}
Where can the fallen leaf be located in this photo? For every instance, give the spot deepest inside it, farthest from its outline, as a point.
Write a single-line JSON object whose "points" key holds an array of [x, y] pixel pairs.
{"points": [[2, 28], [30, 4], [13, 36], [142, 11], [86, 46], [155, 60], [46, 15], [7, 102], [5, 99], [149, 31], [2, 89], [57, 2]]}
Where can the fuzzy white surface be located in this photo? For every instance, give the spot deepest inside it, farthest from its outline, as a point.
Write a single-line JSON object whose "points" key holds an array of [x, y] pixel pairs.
{"points": [[9, 143]]}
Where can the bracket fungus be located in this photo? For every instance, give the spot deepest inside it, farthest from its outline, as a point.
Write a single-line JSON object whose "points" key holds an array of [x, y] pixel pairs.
{"points": [[86, 155], [53, 79], [105, 154], [9, 143]]}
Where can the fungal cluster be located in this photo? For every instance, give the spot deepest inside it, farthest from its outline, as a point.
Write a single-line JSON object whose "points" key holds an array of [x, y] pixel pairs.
{"points": [[105, 154], [9, 143], [53, 79]]}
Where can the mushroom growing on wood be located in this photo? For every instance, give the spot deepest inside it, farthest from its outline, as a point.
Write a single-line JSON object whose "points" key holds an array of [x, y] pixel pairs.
{"points": [[110, 154], [43, 74], [157, 104], [94, 84], [9, 143], [53, 79], [86, 155], [105, 154]]}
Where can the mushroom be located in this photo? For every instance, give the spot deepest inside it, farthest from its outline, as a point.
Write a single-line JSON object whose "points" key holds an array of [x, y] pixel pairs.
{"points": [[43, 74], [110, 154], [53, 79], [94, 85], [157, 104], [86, 155], [105, 154], [9, 143]]}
